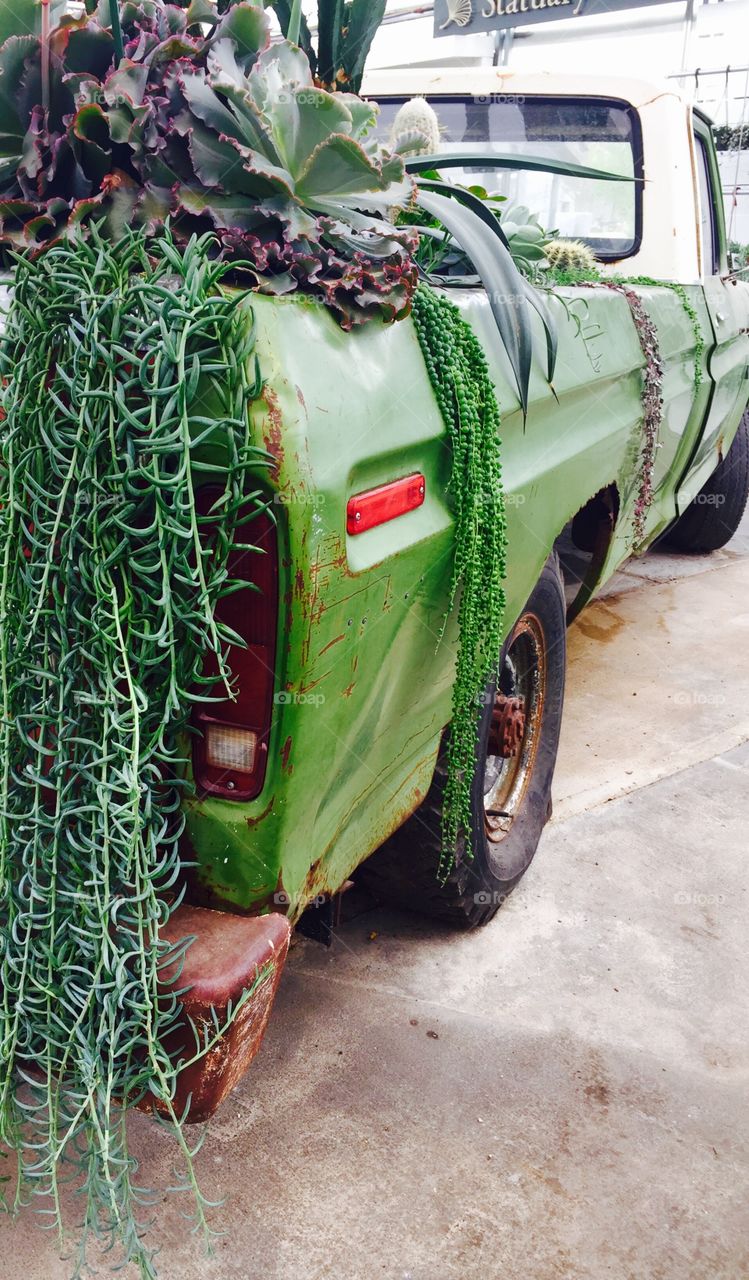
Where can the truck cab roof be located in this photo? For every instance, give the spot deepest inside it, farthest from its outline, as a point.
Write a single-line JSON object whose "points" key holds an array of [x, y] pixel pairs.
{"points": [[486, 81]]}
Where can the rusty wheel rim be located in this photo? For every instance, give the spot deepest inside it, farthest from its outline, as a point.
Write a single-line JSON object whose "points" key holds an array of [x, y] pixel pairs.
{"points": [[515, 730]]}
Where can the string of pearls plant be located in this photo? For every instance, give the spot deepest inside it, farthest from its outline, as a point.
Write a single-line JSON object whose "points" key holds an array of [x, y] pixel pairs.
{"points": [[459, 374]]}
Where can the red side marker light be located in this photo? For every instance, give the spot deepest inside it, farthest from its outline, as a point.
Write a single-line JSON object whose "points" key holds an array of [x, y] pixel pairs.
{"points": [[377, 506]]}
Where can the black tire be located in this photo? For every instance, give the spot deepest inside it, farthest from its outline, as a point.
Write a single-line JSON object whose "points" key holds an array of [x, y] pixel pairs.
{"points": [[711, 520], [405, 870]]}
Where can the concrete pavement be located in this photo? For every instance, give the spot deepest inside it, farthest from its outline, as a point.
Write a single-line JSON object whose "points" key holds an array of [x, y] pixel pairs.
{"points": [[563, 1095]]}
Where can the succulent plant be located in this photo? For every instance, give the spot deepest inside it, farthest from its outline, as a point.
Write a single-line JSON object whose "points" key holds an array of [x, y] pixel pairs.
{"points": [[205, 123], [570, 255], [345, 31], [416, 129]]}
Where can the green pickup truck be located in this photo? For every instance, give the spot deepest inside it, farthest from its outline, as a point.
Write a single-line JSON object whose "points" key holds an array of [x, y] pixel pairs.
{"points": [[330, 760]]}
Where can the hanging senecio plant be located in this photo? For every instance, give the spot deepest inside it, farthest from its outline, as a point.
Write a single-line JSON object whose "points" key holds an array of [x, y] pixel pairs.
{"points": [[127, 381], [652, 410], [459, 374]]}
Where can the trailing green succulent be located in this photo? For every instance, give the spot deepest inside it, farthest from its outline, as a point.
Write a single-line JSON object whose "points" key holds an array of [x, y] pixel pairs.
{"points": [[203, 121], [345, 31], [459, 374], [121, 362]]}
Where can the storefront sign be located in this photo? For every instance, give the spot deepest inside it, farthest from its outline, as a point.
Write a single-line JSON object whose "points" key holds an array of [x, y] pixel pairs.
{"points": [[467, 17]]}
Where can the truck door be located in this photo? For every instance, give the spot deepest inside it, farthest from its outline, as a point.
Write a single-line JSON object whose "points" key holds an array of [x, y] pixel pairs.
{"points": [[726, 302]]}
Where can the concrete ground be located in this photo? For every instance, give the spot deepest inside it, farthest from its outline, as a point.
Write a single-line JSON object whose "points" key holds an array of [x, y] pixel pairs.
{"points": [[563, 1095]]}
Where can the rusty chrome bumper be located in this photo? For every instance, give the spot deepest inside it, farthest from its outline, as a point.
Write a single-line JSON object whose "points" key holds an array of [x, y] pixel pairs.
{"points": [[230, 955]]}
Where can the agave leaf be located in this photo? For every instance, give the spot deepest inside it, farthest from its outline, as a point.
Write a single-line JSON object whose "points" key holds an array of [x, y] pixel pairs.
{"points": [[540, 305], [502, 281], [471, 201], [536, 164]]}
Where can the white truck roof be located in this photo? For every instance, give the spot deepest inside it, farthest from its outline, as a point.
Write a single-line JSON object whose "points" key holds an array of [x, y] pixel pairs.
{"points": [[670, 247], [485, 81]]}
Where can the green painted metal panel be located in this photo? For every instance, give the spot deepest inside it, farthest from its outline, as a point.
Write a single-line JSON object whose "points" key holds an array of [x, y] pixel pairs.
{"points": [[365, 672]]}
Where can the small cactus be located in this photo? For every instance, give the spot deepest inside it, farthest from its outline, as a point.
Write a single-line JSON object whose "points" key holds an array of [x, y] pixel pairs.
{"points": [[570, 255], [416, 129]]}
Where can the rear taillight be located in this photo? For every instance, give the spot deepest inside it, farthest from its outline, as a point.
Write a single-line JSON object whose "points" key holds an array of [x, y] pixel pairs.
{"points": [[230, 754]]}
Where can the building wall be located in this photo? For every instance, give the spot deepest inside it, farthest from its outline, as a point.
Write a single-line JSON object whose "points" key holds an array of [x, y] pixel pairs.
{"points": [[653, 43]]}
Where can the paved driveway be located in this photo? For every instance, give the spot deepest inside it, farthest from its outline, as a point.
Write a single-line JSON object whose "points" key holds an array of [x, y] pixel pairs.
{"points": [[564, 1094]]}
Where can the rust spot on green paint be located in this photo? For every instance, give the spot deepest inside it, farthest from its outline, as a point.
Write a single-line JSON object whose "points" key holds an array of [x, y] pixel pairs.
{"points": [[330, 644], [253, 822], [272, 430]]}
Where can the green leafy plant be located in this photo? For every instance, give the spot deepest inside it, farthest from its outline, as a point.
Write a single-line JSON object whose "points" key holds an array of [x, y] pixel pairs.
{"points": [[459, 374], [127, 377], [345, 31], [206, 123]]}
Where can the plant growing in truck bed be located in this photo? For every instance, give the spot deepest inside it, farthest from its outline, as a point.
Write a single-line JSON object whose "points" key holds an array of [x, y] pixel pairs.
{"points": [[127, 380], [217, 131], [345, 31]]}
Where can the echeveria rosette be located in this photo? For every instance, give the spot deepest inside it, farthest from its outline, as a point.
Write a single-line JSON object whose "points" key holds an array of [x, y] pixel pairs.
{"points": [[219, 131]]}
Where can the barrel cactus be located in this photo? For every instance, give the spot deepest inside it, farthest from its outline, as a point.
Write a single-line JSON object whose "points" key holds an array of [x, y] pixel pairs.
{"points": [[571, 255]]}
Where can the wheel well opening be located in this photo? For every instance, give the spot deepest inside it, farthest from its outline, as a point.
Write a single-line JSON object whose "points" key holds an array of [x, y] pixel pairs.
{"points": [[583, 546]]}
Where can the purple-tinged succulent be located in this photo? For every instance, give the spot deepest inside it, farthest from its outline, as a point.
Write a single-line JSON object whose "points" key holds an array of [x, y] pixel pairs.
{"points": [[219, 131]]}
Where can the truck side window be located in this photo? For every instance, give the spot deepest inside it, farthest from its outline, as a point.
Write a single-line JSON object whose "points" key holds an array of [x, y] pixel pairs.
{"points": [[708, 229]]}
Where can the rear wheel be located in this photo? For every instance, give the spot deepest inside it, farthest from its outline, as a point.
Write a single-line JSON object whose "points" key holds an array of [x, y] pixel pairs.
{"points": [[711, 520], [511, 792]]}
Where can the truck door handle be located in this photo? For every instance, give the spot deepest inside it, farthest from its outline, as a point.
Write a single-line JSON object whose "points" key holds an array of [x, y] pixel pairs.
{"points": [[719, 316]]}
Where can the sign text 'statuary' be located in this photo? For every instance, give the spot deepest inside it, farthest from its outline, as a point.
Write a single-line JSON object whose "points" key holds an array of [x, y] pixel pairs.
{"points": [[456, 17]]}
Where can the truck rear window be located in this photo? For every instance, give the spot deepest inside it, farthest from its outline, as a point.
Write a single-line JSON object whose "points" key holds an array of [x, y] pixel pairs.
{"points": [[600, 133]]}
